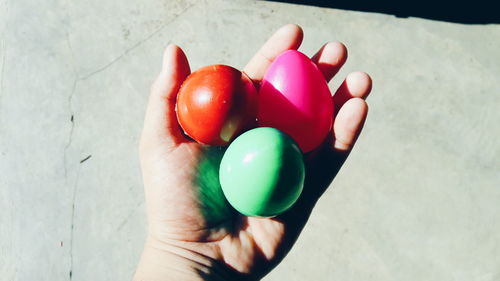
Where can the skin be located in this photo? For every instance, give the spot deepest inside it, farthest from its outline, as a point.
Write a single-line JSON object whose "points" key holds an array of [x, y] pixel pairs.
{"points": [[184, 241]]}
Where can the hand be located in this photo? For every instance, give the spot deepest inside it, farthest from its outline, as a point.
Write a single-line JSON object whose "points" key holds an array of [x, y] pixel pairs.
{"points": [[193, 233]]}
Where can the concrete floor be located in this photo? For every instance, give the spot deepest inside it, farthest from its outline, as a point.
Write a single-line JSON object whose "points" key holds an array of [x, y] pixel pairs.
{"points": [[419, 198]]}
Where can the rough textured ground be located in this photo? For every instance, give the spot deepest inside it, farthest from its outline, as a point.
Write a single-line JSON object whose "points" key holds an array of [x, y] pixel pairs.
{"points": [[419, 198]]}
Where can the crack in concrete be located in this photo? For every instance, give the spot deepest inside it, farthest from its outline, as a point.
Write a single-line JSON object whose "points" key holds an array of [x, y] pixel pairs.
{"points": [[75, 189], [136, 45], [70, 138], [72, 119], [66, 147], [70, 104], [68, 144]]}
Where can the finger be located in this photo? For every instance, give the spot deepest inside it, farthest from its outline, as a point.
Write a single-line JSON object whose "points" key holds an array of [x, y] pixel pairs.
{"points": [[330, 58], [355, 85], [348, 124], [160, 124], [322, 167], [287, 37]]}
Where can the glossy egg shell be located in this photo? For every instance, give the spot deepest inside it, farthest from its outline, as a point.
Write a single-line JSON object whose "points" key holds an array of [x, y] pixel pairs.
{"points": [[294, 97], [215, 104], [262, 172]]}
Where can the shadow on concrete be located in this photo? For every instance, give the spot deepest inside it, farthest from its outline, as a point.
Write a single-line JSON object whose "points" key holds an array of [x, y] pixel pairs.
{"points": [[466, 12]]}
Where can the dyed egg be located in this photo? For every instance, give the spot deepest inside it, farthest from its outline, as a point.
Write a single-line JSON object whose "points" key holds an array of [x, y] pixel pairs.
{"points": [[262, 172], [215, 104], [294, 98]]}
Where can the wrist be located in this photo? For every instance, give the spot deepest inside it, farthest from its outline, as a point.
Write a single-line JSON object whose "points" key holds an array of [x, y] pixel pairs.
{"points": [[163, 262]]}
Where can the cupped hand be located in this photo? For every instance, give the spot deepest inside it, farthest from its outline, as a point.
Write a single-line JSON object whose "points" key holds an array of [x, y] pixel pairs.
{"points": [[187, 214]]}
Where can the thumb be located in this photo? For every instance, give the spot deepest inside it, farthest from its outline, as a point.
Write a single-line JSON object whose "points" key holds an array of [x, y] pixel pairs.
{"points": [[160, 122]]}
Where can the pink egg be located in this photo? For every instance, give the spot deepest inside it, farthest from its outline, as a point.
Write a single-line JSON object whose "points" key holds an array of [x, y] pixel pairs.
{"points": [[294, 98]]}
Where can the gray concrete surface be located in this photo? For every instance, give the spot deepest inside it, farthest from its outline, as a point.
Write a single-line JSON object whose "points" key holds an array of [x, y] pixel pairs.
{"points": [[419, 198]]}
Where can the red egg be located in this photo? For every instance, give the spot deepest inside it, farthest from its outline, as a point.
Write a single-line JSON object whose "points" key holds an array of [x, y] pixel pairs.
{"points": [[215, 104]]}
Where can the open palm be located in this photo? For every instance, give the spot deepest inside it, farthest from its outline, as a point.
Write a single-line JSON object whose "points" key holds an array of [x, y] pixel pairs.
{"points": [[186, 209]]}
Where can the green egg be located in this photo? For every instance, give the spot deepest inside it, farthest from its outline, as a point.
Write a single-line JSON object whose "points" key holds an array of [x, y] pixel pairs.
{"points": [[262, 172]]}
